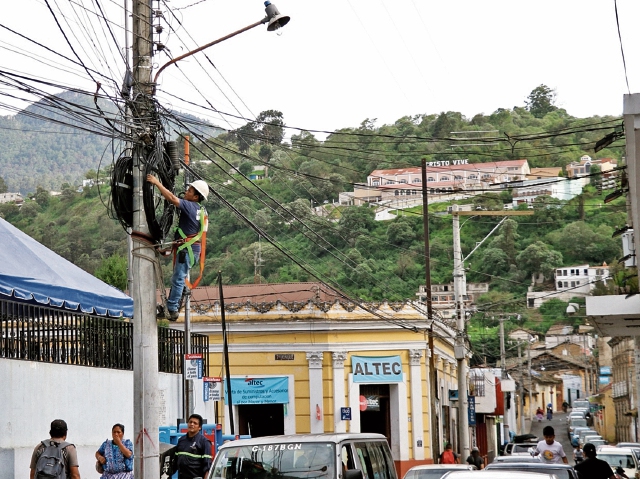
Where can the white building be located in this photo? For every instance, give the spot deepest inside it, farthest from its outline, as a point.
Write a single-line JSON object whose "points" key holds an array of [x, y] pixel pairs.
{"points": [[570, 282], [560, 188]]}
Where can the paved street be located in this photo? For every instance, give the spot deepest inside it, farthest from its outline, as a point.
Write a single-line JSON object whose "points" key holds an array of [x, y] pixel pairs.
{"points": [[559, 424]]}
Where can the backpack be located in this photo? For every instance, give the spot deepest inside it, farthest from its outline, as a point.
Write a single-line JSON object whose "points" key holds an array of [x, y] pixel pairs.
{"points": [[50, 464]]}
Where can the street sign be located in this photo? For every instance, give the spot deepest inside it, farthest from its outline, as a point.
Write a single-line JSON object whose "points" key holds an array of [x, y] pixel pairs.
{"points": [[471, 401], [193, 366], [345, 413], [211, 389]]}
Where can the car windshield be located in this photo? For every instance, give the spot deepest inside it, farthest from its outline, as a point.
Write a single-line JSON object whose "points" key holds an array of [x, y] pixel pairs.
{"points": [[435, 473], [581, 404], [579, 422], [615, 460], [276, 461]]}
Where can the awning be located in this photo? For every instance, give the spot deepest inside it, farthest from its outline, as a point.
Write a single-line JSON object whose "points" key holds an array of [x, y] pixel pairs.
{"points": [[32, 273]]}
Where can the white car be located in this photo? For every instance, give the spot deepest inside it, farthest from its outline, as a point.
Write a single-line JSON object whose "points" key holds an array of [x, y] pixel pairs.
{"points": [[619, 456], [494, 474], [435, 471]]}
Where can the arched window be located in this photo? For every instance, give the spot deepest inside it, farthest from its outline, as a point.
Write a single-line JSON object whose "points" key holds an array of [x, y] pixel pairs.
{"points": [[473, 177], [417, 180], [458, 177], [431, 178], [397, 193], [444, 178]]}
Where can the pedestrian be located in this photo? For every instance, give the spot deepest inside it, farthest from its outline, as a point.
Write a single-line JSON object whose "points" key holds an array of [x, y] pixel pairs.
{"points": [[592, 467], [56, 443], [193, 452], [475, 459], [448, 456], [115, 456], [191, 225], [550, 450], [539, 414], [578, 455], [549, 413]]}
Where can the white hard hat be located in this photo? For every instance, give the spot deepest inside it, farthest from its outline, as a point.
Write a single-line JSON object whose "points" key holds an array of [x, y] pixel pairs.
{"points": [[201, 187]]}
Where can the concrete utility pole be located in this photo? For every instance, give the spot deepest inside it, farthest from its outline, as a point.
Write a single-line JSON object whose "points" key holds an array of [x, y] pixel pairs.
{"points": [[521, 389], [460, 291], [146, 410], [503, 366]]}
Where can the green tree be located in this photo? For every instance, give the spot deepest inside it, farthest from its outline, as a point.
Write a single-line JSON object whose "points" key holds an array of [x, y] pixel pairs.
{"points": [[538, 258], [400, 233], [3, 185], [270, 126], [246, 167], [541, 101], [113, 271], [42, 196]]}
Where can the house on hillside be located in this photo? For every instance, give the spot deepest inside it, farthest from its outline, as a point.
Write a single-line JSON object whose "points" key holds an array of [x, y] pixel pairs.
{"points": [[570, 281], [11, 198], [559, 188], [582, 169], [443, 299], [544, 173], [523, 335]]}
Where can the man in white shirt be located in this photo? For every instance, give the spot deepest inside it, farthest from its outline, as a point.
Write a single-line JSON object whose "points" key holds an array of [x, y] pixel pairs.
{"points": [[550, 450]]}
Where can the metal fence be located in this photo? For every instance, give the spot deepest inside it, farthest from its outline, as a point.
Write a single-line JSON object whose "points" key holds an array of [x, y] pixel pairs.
{"points": [[36, 333]]}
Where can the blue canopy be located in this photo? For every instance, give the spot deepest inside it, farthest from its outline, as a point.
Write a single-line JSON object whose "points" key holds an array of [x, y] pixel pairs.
{"points": [[32, 273]]}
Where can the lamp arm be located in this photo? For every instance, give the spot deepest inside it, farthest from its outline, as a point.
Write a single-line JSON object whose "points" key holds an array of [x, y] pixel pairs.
{"points": [[203, 47]]}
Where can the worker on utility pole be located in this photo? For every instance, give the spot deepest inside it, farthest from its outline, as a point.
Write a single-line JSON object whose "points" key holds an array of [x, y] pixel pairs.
{"points": [[186, 245]]}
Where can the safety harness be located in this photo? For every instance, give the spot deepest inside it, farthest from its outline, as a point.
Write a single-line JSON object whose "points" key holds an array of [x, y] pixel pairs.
{"points": [[187, 241]]}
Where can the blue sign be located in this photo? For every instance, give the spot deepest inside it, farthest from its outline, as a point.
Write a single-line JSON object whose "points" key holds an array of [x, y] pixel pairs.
{"points": [[471, 401], [274, 390], [345, 413], [605, 370], [378, 369], [604, 380]]}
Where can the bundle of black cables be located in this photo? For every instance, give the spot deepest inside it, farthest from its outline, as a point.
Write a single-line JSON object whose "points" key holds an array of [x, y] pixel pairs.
{"points": [[159, 211]]}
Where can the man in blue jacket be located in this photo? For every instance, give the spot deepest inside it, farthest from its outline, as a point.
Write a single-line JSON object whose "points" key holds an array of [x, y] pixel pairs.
{"points": [[193, 453]]}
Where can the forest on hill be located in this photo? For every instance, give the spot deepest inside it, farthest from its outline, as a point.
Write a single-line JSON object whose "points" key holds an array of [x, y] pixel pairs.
{"points": [[307, 236]]}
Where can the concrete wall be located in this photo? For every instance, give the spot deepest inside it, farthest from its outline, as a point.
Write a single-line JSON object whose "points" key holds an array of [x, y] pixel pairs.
{"points": [[90, 400]]}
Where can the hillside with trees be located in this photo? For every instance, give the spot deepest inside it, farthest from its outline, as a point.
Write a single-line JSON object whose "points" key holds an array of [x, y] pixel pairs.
{"points": [[306, 236]]}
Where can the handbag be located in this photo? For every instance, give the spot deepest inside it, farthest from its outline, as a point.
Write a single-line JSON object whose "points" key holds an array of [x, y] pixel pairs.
{"points": [[99, 468]]}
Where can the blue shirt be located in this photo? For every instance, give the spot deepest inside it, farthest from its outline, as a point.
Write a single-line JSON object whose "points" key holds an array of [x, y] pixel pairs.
{"points": [[189, 222]]}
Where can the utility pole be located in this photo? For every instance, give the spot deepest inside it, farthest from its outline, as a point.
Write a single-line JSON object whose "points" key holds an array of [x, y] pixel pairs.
{"points": [[146, 410], [460, 290], [521, 388], [503, 366], [460, 293], [530, 383], [435, 441]]}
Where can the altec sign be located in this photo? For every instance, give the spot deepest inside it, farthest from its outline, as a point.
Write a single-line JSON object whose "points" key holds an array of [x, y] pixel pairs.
{"points": [[378, 369]]}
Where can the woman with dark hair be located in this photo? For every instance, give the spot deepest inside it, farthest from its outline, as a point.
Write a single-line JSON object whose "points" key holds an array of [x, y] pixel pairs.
{"points": [[115, 456]]}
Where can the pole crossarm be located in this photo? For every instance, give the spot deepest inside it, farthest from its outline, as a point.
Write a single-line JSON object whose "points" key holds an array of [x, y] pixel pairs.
{"points": [[494, 213]]}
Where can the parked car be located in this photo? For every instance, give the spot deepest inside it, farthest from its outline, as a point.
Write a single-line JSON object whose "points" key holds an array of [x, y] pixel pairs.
{"points": [[484, 474], [587, 432], [562, 471], [300, 456], [620, 456], [590, 438], [576, 422], [628, 444], [516, 459], [578, 403], [575, 435], [435, 471], [518, 449]]}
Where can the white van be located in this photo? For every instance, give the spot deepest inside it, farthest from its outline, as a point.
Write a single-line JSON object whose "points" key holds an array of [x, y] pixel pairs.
{"points": [[305, 456]]}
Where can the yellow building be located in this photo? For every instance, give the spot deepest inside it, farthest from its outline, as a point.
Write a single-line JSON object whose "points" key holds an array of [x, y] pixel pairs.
{"points": [[305, 359]]}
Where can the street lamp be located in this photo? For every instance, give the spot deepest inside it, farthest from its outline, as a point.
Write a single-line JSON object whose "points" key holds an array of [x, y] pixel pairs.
{"points": [[274, 21]]}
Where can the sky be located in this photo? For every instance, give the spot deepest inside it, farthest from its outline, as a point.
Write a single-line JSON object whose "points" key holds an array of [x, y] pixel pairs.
{"points": [[340, 62]]}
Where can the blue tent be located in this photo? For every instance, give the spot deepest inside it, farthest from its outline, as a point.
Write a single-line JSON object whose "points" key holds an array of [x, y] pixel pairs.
{"points": [[32, 273]]}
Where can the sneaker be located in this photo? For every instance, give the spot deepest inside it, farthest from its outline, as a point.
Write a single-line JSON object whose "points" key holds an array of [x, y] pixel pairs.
{"points": [[160, 311], [173, 315]]}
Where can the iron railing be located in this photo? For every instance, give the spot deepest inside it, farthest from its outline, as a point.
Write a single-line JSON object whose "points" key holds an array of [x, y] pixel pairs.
{"points": [[38, 333]]}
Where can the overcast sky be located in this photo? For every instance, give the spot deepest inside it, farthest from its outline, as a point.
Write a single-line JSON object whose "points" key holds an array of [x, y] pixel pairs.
{"points": [[339, 62]]}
